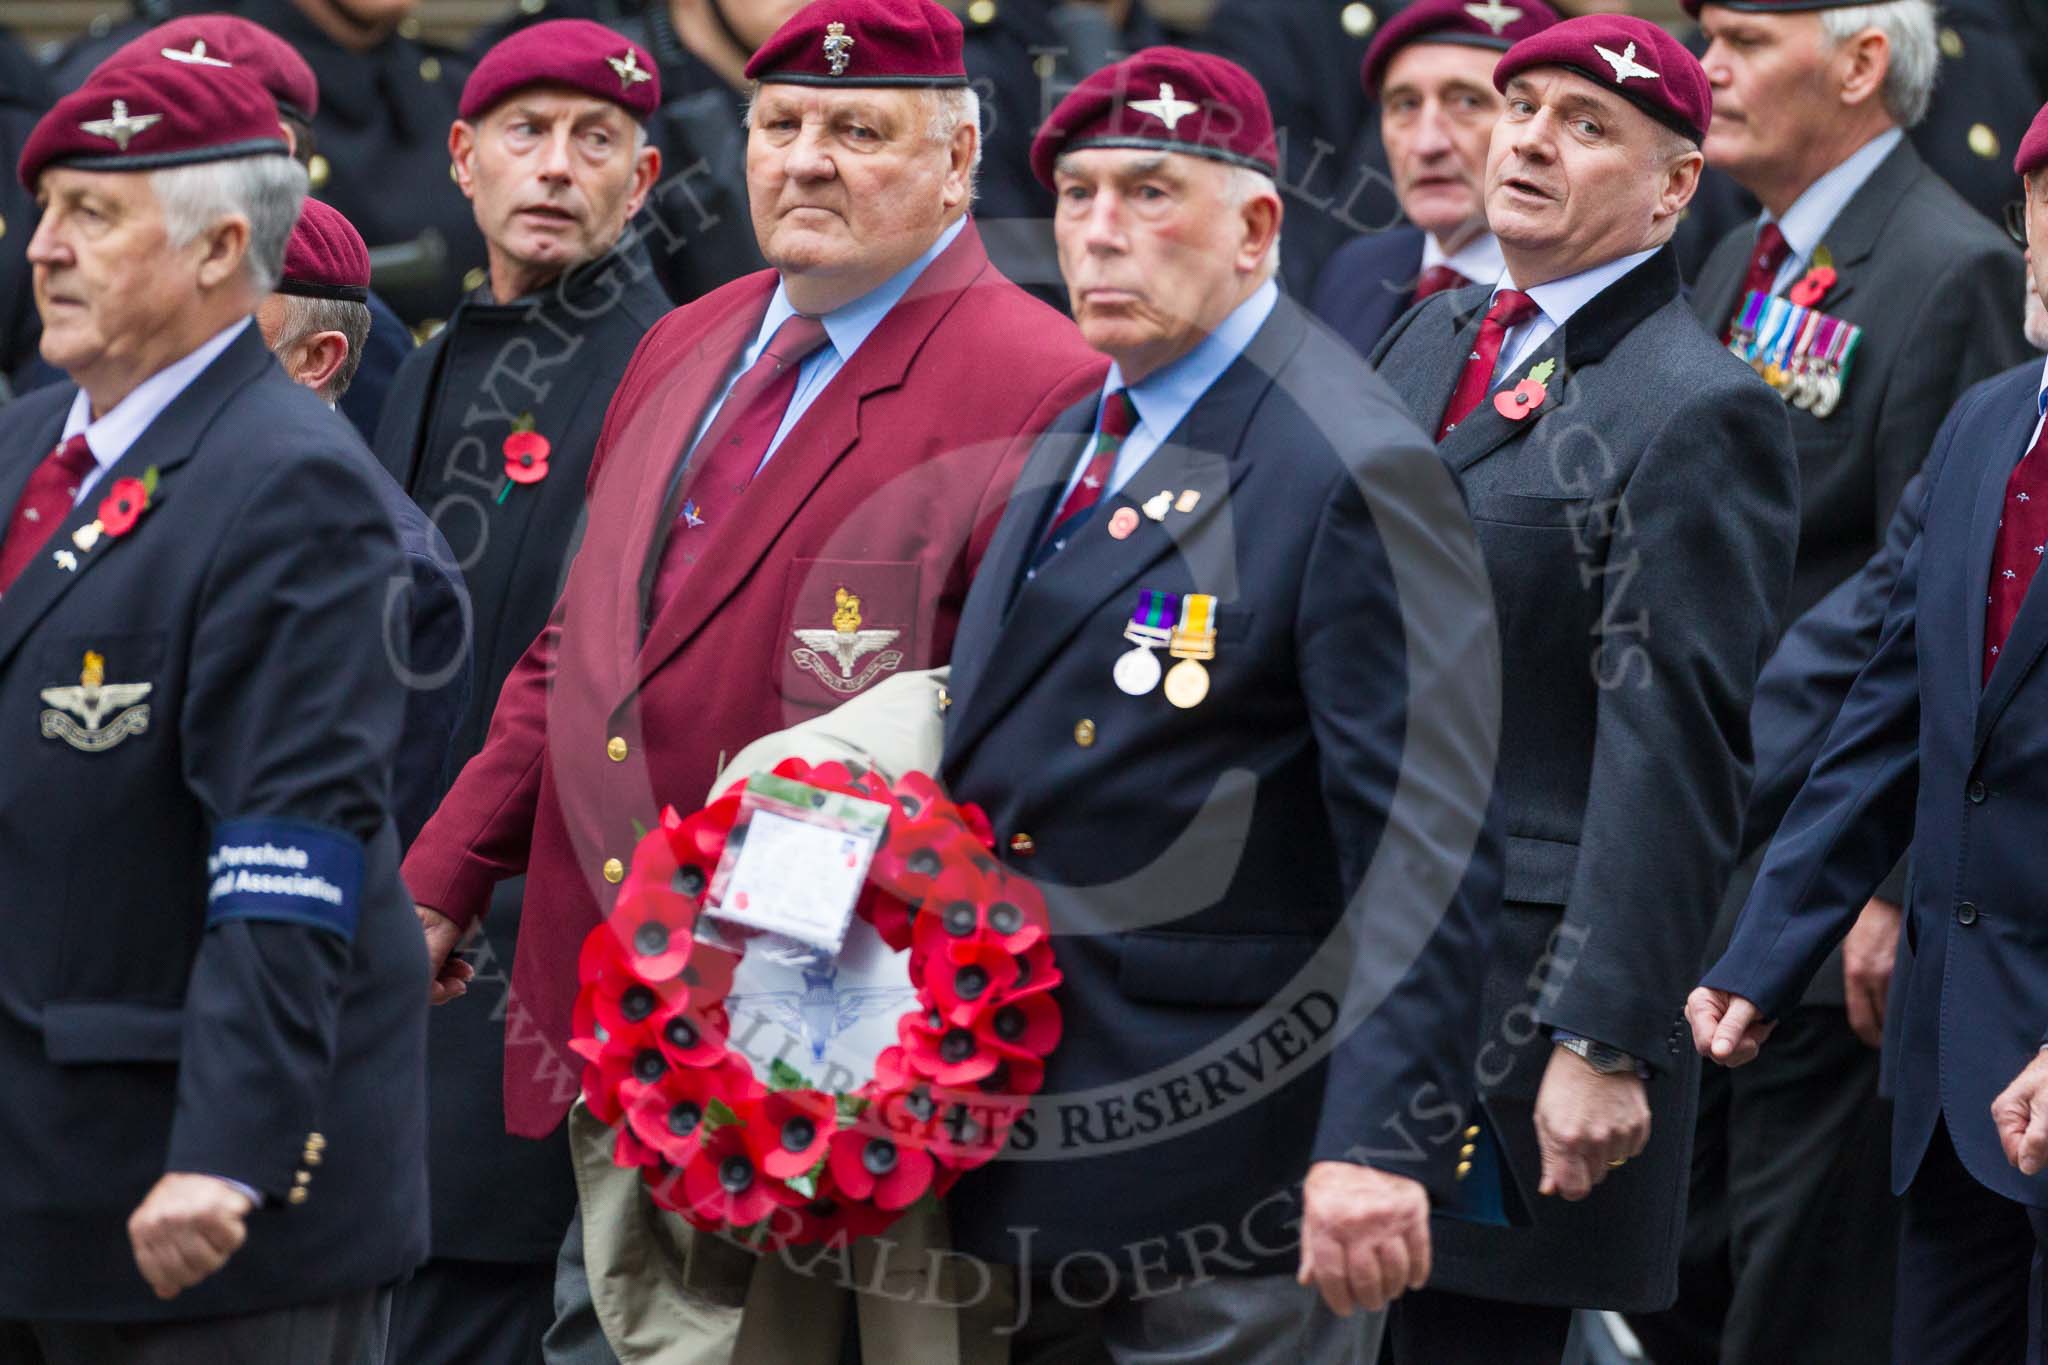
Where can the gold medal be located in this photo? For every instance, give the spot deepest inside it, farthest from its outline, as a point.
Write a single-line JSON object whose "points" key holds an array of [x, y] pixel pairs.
{"points": [[1187, 683]]}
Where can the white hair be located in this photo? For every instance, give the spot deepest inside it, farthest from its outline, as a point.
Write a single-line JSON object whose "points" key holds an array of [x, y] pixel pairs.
{"points": [[265, 190], [1908, 26], [305, 317], [946, 108], [1241, 185]]}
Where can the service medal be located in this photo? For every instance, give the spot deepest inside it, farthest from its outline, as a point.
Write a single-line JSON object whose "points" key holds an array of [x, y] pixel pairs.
{"points": [[1194, 640], [1137, 672]]}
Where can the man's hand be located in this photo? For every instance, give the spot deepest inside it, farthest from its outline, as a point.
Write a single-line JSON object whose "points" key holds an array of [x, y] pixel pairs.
{"points": [[1725, 1028], [185, 1229], [449, 974], [1364, 1236], [2021, 1115], [1867, 957], [1587, 1123]]}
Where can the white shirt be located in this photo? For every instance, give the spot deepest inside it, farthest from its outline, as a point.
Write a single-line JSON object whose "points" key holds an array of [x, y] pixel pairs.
{"points": [[845, 329], [1479, 259], [1815, 211], [1555, 303], [123, 424]]}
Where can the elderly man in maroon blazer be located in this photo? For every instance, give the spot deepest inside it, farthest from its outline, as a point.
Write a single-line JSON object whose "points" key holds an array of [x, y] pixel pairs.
{"points": [[834, 437]]}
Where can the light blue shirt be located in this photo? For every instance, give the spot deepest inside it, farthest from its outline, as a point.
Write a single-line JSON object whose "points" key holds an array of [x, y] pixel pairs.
{"points": [[845, 329], [1164, 398], [1815, 211], [1555, 303], [120, 426]]}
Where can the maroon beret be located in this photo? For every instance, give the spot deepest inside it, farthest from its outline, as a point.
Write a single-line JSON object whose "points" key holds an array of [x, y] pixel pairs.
{"points": [[1692, 7], [2033, 152], [140, 118], [1167, 98], [223, 40], [325, 258], [1494, 24], [578, 53], [1632, 57], [864, 42]]}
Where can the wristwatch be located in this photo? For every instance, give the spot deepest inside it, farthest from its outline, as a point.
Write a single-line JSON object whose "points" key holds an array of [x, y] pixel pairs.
{"points": [[1608, 1061]]}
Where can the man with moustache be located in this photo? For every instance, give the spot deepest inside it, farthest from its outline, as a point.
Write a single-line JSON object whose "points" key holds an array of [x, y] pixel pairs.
{"points": [[1938, 745], [490, 429], [1636, 496], [798, 432], [1812, 105], [1239, 461], [1431, 72]]}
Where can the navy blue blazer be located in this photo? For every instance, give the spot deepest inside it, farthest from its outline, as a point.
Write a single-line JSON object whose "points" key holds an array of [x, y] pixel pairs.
{"points": [[1367, 283], [1269, 958], [211, 962], [1928, 752]]}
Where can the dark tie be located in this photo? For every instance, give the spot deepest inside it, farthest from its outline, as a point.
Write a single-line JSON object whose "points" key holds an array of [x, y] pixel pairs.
{"points": [[52, 488], [1436, 279], [1118, 419], [2022, 536], [1764, 261], [724, 461], [1510, 308]]}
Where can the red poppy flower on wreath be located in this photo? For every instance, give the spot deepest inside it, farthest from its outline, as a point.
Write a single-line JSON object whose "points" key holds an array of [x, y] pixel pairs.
{"points": [[1813, 286], [884, 1167], [526, 452], [123, 506], [795, 1163]]}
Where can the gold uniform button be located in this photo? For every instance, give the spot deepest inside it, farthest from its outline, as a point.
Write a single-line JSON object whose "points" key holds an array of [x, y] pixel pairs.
{"points": [[1983, 141], [945, 699], [1084, 733], [3, 225], [614, 871], [317, 171], [615, 749], [1358, 19], [473, 280], [298, 1195], [430, 68], [1468, 1151], [316, 1141], [302, 1177], [312, 1157], [1951, 43], [1023, 845], [409, 26], [1472, 1132], [1464, 1169], [982, 11]]}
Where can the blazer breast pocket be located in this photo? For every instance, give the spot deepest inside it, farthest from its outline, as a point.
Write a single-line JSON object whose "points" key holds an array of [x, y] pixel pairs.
{"points": [[97, 693], [1522, 509], [847, 624]]}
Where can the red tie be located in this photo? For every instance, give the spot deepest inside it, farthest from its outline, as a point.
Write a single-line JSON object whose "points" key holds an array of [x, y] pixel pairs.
{"points": [[1118, 419], [44, 504], [1511, 307], [724, 461], [1436, 279], [2022, 534], [1770, 253]]}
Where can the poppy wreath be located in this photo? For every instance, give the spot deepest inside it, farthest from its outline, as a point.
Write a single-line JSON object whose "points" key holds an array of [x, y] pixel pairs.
{"points": [[778, 1160]]}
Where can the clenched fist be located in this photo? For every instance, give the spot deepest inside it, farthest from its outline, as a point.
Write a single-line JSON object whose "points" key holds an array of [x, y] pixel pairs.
{"points": [[185, 1229]]}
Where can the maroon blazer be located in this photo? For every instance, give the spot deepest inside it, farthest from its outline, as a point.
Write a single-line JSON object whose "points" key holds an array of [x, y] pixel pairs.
{"points": [[890, 486]]}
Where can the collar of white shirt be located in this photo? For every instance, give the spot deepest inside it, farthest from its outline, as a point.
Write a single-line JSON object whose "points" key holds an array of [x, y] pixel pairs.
{"points": [[1479, 259], [120, 426], [850, 325], [1815, 211]]}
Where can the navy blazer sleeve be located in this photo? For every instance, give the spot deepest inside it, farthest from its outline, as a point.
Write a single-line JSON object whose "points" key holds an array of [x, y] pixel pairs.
{"points": [[431, 621], [1407, 775], [288, 720], [1852, 820]]}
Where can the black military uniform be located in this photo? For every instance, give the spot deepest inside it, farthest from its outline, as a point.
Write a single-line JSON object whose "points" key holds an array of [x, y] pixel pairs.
{"points": [[1983, 101], [553, 358]]}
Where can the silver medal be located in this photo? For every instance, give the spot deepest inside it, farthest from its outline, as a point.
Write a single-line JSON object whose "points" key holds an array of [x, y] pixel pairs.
{"points": [[1137, 672]]}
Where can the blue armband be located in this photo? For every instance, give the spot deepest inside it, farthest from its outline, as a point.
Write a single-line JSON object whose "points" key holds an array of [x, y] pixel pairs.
{"points": [[283, 870]]}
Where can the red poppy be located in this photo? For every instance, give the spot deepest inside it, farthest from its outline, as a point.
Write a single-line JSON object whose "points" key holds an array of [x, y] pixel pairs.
{"points": [[791, 1134], [831, 1219], [949, 1054], [1015, 1077], [1518, 402], [890, 915], [123, 506], [970, 975], [968, 902], [629, 1151], [725, 1182], [526, 456], [692, 1037], [697, 842], [1813, 286], [654, 927], [969, 1132], [977, 823], [1028, 1023], [916, 794], [1037, 970], [669, 1115], [868, 1164]]}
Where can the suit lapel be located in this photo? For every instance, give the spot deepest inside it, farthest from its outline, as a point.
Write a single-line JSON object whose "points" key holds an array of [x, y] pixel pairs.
{"points": [[166, 443], [2022, 648], [1205, 455], [1854, 234], [814, 447], [1442, 357], [20, 463]]}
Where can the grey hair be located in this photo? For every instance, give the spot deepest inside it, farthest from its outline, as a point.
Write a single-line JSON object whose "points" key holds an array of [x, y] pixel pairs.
{"points": [[946, 109], [1908, 26], [304, 317], [265, 190], [1241, 186]]}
